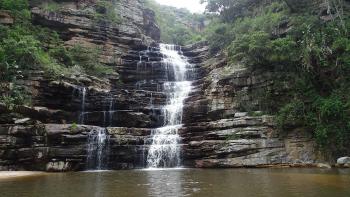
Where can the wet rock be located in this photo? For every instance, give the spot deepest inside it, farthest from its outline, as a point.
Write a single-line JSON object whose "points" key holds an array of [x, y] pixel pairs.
{"points": [[58, 166], [324, 165], [150, 26], [21, 121], [343, 162]]}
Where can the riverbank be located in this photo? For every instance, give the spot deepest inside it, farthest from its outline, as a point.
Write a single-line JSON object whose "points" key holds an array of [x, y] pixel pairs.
{"points": [[18, 174]]}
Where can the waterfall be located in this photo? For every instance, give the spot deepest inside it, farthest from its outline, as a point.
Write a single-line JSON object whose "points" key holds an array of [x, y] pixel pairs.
{"points": [[165, 148], [82, 95], [111, 111], [98, 149]]}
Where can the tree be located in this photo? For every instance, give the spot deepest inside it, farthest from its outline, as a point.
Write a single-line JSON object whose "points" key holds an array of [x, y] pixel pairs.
{"points": [[229, 9]]}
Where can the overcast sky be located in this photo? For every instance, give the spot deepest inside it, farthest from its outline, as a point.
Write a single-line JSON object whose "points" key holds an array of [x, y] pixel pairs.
{"points": [[192, 5]]}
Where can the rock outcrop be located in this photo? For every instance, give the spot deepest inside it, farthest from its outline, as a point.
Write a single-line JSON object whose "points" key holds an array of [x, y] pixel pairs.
{"points": [[63, 147], [78, 24], [219, 134]]}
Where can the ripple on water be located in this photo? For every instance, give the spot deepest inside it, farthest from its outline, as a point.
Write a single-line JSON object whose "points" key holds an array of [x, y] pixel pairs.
{"points": [[184, 182]]}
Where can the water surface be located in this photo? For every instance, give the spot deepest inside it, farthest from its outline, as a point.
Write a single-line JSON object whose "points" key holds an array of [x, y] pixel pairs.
{"points": [[184, 182]]}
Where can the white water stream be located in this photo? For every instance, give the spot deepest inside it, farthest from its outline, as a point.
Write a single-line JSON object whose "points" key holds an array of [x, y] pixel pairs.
{"points": [[165, 148], [98, 149]]}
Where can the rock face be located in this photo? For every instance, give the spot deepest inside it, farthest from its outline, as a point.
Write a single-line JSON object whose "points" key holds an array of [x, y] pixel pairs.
{"points": [[223, 124], [6, 18], [216, 132], [77, 24], [60, 147], [219, 134]]}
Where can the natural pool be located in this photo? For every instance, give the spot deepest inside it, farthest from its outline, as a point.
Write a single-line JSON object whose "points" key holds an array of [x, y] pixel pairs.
{"points": [[184, 182]]}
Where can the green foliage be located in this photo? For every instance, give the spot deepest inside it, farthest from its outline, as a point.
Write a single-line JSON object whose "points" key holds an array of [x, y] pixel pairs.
{"points": [[219, 36], [15, 95], [291, 114], [51, 6], [228, 9], [25, 48], [73, 127], [22, 51], [14, 5], [328, 118], [313, 54], [232, 137], [257, 50], [87, 59], [255, 113], [252, 48], [178, 26], [61, 54]]}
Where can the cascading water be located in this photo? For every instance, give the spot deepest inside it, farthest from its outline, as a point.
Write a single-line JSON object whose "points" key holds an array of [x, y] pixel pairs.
{"points": [[82, 95], [98, 149], [98, 138], [165, 148], [110, 111]]}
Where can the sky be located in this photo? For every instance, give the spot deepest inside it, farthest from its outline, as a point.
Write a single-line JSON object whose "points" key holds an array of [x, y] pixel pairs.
{"points": [[193, 5]]}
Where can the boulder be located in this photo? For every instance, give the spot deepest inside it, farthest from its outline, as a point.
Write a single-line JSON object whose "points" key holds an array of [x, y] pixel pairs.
{"points": [[343, 161], [58, 166]]}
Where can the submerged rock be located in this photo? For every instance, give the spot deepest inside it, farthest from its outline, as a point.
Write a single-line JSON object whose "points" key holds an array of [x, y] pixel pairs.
{"points": [[323, 165]]}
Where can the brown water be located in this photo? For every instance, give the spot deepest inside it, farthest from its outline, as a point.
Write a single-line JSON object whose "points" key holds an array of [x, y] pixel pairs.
{"points": [[184, 182]]}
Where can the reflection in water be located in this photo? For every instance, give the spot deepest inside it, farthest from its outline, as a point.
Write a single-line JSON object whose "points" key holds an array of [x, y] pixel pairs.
{"points": [[164, 183], [184, 182], [97, 184]]}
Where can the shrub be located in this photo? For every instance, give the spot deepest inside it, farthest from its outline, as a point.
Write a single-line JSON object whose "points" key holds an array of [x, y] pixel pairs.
{"points": [[88, 59], [251, 48], [61, 54], [312, 54], [14, 5], [292, 113], [219, 36], [285, 53], [74, 127], [51, 6], [106, 10], [16, 95], [178, 26], [24, 51]]}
